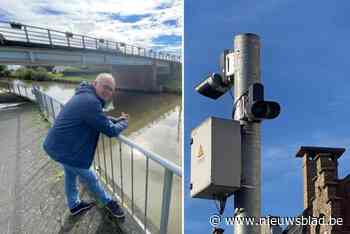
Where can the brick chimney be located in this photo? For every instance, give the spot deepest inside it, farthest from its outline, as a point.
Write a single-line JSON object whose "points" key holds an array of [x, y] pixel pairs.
{"points": [[327, 202], [318, 160], [320, 186]]}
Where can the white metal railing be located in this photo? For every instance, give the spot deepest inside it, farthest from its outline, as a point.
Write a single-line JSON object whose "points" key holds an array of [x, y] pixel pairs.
{"points": [[132, 161], [17, 32]]}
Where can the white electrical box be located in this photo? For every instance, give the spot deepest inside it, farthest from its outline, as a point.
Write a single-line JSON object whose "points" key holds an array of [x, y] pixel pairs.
{"points": [[215, 158]]}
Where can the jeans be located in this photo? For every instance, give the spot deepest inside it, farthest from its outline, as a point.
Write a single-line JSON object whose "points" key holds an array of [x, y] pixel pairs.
{"points": [[88, 178]]}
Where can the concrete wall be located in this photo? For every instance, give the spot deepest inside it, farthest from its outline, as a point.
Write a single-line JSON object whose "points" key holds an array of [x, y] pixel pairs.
{"points": [[175, 71], [144, 77]]}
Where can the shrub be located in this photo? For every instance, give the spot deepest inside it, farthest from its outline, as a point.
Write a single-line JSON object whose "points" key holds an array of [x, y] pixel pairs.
{"points": [[40, 74], [2, 68], [4, 72], [21, 73]]}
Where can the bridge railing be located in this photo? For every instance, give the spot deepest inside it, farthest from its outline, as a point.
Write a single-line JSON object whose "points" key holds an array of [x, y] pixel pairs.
{"points": [[18, 32], [146, 184]]}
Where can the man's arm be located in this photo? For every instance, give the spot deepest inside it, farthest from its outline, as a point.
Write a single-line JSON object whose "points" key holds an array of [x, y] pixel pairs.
{"points": [[94, 117]]}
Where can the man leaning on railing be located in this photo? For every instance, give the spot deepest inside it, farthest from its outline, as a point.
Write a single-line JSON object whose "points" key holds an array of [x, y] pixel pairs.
{"points": [[73, 138]]}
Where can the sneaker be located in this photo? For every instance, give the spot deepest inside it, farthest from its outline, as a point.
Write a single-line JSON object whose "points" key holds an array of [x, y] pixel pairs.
{"points": [[115, 209], [81, 207]]}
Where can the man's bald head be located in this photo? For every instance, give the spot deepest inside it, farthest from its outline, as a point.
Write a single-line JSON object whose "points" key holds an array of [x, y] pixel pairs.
{"points": [[105, 86], [105, 77]]}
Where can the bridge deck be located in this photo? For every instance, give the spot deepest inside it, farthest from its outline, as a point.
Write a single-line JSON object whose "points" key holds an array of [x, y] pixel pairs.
{"points": [[17, 34], [31, 197], [60, 47]]}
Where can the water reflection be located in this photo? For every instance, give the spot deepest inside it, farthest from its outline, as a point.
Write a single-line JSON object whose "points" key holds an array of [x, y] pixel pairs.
{"points": [[165, 129]]}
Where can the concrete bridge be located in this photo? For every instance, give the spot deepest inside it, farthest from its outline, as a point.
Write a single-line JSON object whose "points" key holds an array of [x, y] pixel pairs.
{"points": [[135, 68]]}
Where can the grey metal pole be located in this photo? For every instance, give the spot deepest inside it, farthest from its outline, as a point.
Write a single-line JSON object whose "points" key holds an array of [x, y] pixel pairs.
{"points": [[247, 199]]}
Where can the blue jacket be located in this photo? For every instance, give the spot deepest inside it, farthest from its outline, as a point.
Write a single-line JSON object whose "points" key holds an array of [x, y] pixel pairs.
{"points": [[73, 137]]}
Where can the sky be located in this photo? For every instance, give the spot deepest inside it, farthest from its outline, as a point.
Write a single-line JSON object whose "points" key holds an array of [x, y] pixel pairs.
{"points": [[156, 24], [304, 62]]}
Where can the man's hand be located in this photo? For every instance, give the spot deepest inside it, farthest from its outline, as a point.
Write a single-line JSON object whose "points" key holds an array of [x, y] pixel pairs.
{"points": [[124, 116]]}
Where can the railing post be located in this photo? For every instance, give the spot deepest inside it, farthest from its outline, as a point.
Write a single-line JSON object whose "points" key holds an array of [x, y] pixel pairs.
{"points": [[166, 199], [112, 166], [26, 33], [42, 103], [68, 42], [19, 91], [121, 172], [146, 193], [104, 158], [26, 92], [98, 157], [53, 110], [132, 181], [83, 41], [40, 99], [36, 96], [46, 106], [49, 35]]}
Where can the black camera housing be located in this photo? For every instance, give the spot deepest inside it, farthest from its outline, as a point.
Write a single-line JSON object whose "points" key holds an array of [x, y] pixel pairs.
{"points": [[214, 86]]}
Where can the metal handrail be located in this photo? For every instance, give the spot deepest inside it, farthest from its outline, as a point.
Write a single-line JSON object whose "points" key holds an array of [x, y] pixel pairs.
{"points": [[34, 34], [155, 157], [50, 107]]}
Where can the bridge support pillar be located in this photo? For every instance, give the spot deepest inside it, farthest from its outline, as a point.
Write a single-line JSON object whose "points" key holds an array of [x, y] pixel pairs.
{"points": [[136, 77], [175, 71]]}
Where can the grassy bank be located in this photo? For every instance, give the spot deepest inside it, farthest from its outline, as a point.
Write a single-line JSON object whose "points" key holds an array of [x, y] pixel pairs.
{"points": [[72, 79], [42, 74]]}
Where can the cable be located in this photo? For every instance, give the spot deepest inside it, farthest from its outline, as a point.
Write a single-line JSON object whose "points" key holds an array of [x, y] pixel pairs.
{"points": [[235, 103], [238, 99], [222, 202]]}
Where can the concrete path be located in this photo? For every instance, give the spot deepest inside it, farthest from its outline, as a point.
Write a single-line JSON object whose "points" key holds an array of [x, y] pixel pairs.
{"points": [[31, 185]]}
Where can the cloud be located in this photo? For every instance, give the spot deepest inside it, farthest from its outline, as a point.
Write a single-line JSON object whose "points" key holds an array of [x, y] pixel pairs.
{"points": [[135, 22], [49, 11]]}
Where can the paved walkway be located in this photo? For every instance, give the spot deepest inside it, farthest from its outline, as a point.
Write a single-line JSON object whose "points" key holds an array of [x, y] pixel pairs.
{"points": [[31, 185]]}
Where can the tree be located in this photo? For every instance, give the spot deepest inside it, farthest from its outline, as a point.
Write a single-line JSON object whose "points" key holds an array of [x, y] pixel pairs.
{"points": [[3, 70]]}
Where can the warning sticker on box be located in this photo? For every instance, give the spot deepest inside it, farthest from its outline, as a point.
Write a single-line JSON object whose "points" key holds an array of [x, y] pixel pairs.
{"points": [[200, 152]]}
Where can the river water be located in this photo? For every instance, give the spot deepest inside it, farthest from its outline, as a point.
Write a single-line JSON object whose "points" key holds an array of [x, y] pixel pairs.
{"points": [[154, 124]]}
